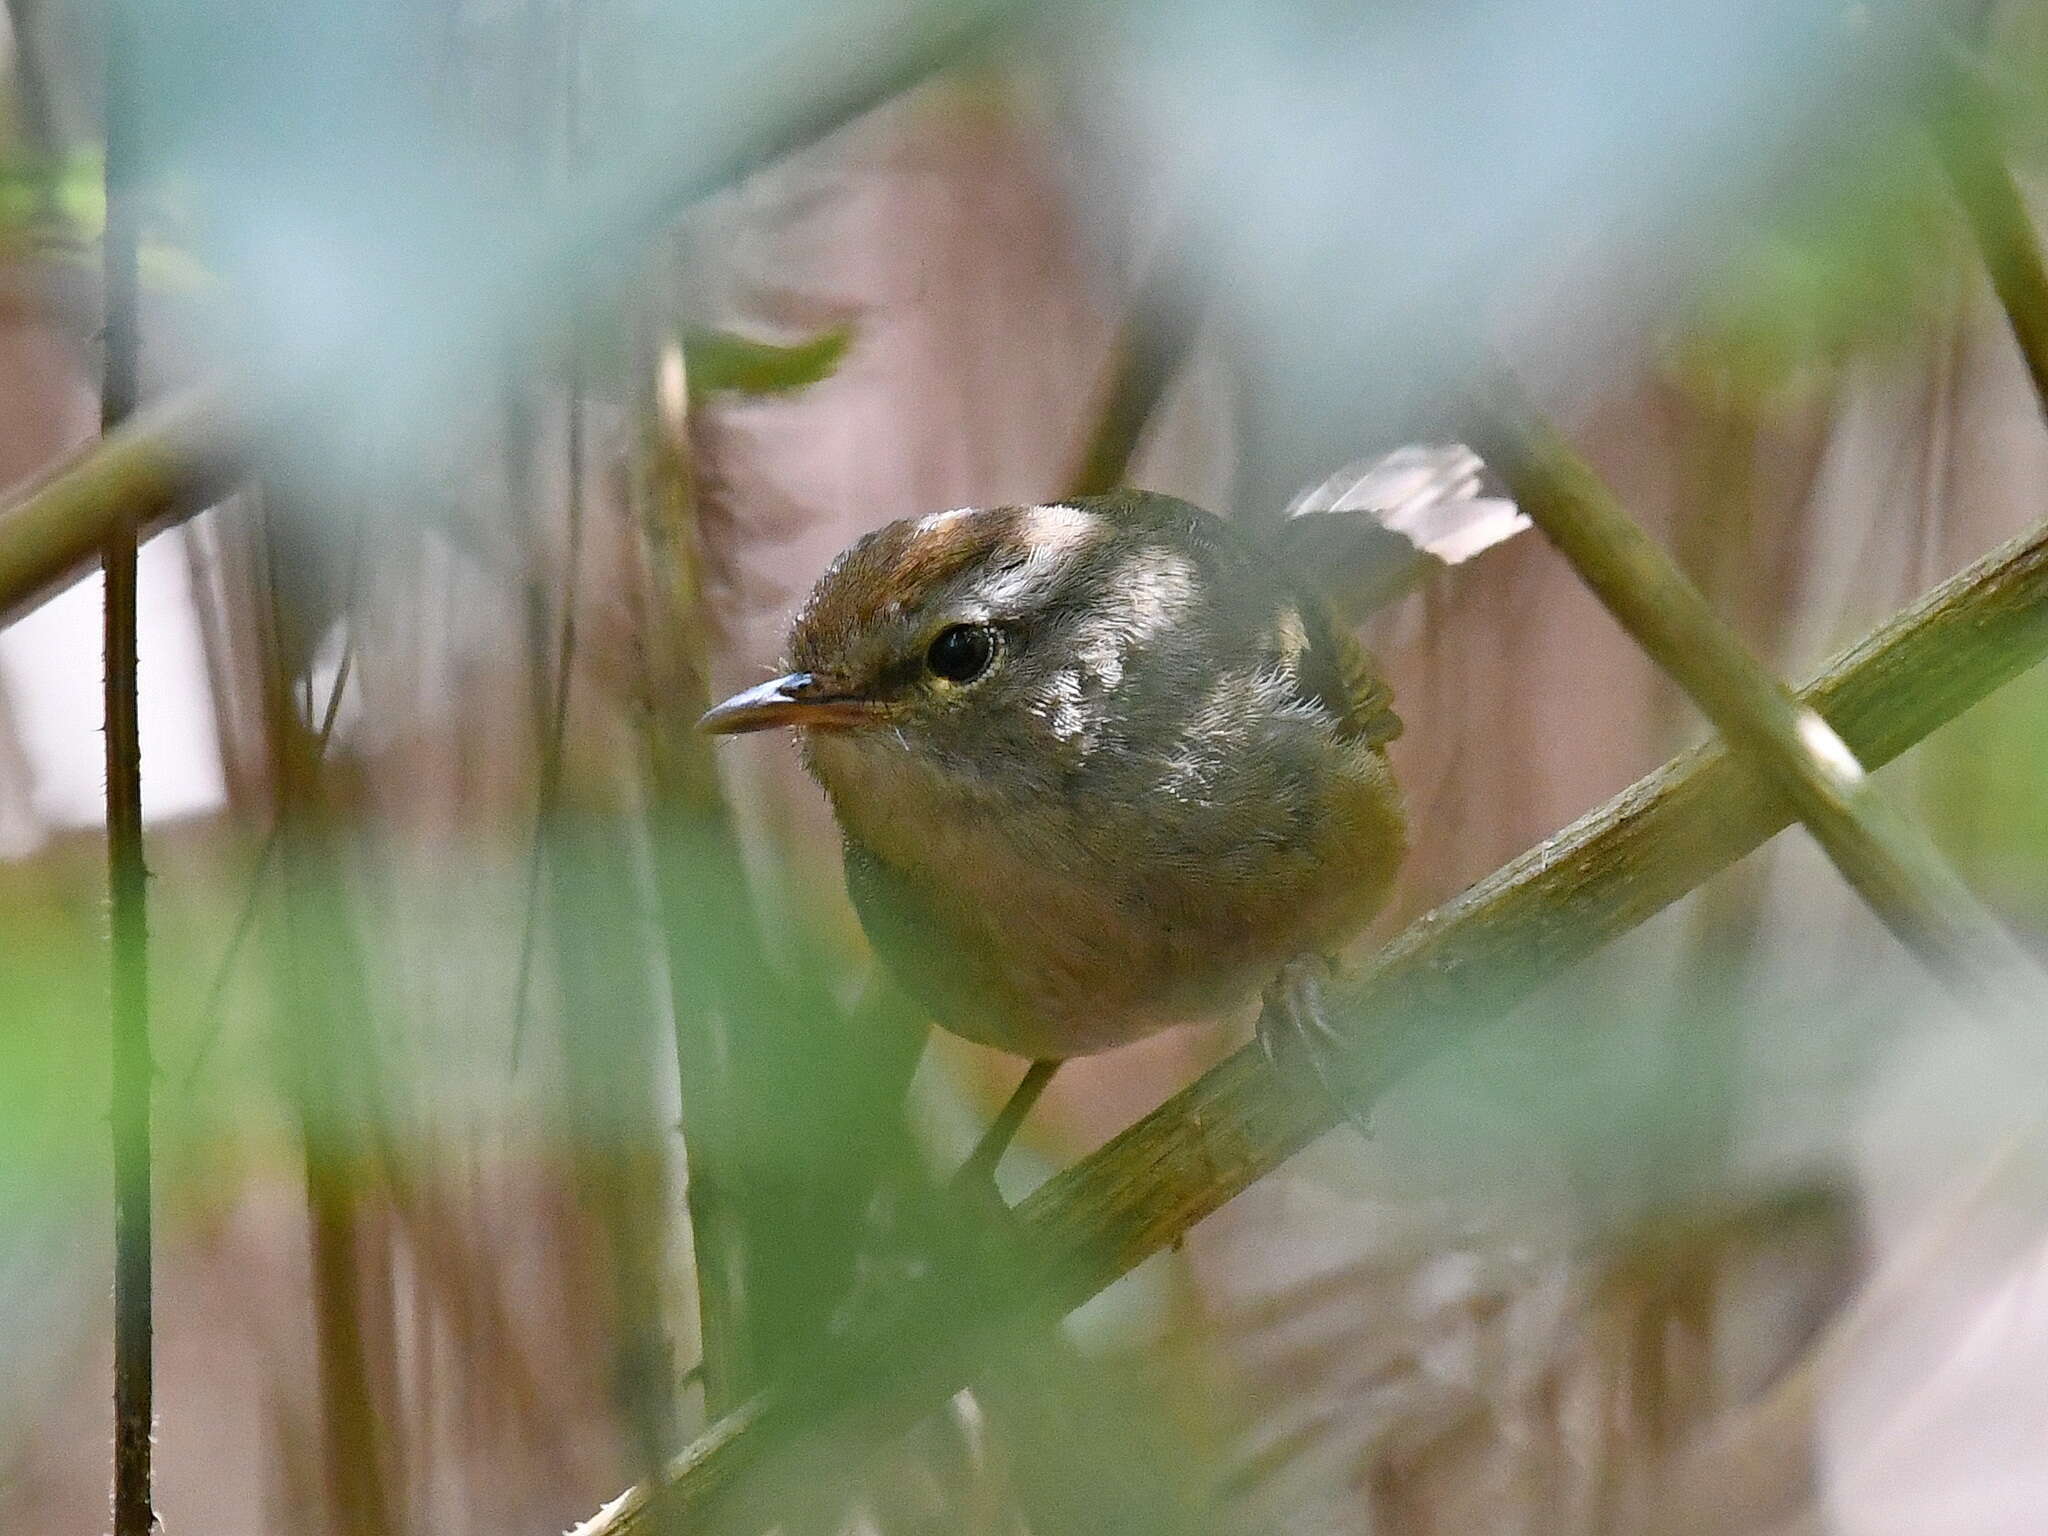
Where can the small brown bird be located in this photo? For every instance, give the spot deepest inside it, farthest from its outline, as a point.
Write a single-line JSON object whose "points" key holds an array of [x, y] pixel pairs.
{"points": [[1106, 765]]}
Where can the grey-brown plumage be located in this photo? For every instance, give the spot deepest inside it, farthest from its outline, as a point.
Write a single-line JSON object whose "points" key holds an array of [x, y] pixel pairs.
{"points": [[1103, 766]]}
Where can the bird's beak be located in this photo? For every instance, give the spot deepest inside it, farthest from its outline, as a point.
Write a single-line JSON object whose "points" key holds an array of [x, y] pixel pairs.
{"points": [[802, 699]]}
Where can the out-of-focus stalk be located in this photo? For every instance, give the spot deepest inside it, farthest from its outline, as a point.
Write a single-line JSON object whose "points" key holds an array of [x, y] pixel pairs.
{"points": [[1151, 346], [323, 1009], [579, 856], [694, 850], [160, 466]]}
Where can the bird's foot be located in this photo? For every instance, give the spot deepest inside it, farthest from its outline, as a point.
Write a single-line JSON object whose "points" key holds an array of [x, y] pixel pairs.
{"points": [[1294, 1022]]}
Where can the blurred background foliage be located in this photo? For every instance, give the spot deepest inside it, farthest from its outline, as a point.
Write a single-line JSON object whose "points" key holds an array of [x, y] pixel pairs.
{"points": [[526, 1100]]}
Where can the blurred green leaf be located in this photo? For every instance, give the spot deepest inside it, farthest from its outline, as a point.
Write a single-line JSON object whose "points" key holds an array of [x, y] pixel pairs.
{"points": [[58, 205], [715, 361], [721, 362], [69, 187], [52, 1047]]}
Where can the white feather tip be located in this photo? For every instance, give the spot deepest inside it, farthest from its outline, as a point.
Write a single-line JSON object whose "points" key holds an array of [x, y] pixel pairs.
{"points": [[1429, 494]]}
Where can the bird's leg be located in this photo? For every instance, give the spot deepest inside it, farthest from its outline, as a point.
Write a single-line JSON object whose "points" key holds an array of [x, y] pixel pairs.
{"points": [[1292, 1018], [980, 1166]]}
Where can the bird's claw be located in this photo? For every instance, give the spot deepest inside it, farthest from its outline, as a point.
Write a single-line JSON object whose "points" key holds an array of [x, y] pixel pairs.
{"points": [[1293, 1018]]}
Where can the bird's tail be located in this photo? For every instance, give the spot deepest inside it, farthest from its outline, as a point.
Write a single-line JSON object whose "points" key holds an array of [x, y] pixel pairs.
{"points": [[1375, 528]]}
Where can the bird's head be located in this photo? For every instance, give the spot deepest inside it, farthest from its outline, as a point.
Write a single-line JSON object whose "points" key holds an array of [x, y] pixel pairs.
{"points": [[983, 655]]}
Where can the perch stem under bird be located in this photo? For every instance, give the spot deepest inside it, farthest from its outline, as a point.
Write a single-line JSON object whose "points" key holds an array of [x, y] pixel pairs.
{"points": [[1105, 765]]}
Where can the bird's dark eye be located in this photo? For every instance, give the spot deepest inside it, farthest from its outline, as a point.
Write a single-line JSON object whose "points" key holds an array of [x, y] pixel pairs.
{"points": [[961, 652]]}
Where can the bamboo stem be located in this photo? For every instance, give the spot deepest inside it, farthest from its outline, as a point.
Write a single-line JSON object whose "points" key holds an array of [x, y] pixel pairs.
{"points": [[160, 466], [1450, 972]]}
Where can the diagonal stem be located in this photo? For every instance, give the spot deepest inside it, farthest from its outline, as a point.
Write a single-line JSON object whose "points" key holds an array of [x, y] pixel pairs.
{"points": [[1889, 862], [161, 465]]}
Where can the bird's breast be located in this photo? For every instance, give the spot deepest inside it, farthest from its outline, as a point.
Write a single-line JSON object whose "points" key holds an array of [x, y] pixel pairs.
{"points": [[1061, 929]]}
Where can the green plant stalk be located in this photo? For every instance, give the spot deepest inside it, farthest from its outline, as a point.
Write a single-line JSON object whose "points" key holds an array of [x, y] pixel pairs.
{"points": [[1448, 973], [693, 842], [327, 1068], [1150, 349], [1888, 861]]}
